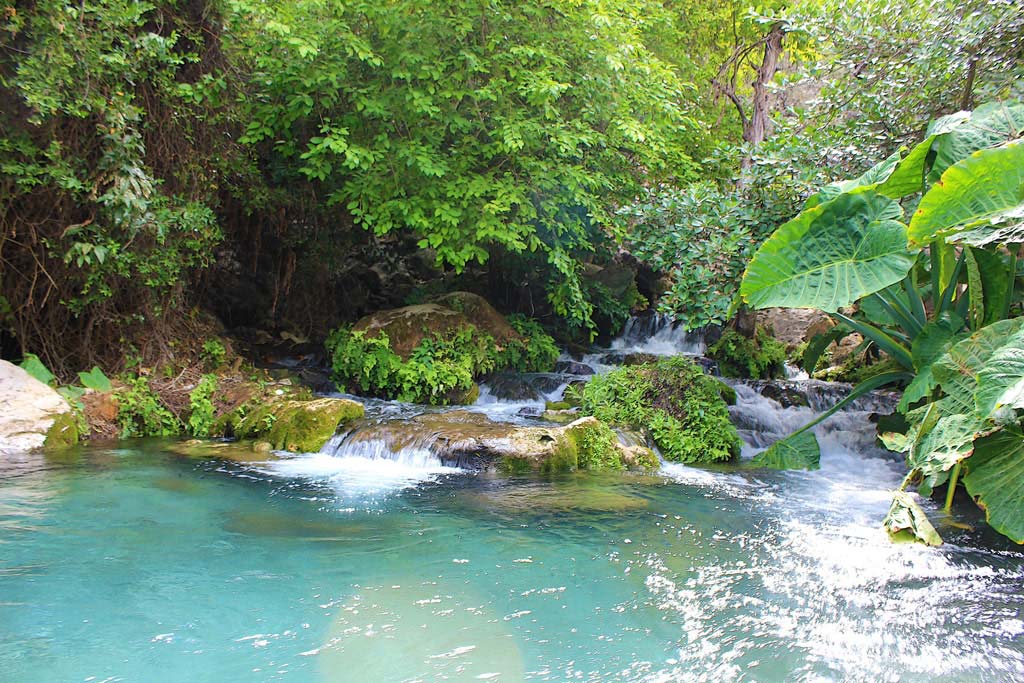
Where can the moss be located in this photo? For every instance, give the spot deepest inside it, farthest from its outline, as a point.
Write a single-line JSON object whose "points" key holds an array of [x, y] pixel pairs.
{"points": [[674, 402], [298, 426], [564, 458], [510, 464], [857, 368], [557, 405], [560, 416], [761, 357], [727, 393], [63, 432], [597, 447]]}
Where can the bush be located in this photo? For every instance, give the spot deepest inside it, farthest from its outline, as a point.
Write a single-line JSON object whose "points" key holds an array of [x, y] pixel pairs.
{"points": [[201, 419], [441, 369], [140, 412], [680, 408], [762, 357]]}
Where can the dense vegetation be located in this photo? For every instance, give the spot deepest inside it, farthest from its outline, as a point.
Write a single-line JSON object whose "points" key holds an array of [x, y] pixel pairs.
{"points": [[283, 168]]}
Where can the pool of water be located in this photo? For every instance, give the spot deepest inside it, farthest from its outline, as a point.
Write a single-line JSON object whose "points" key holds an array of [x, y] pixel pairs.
{"points": [[137, 564]]}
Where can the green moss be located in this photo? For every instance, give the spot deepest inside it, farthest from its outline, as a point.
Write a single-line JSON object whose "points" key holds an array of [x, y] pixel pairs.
{"points": [[564, 458], [727, 393], [63, 432], [679, 406], [762, 357], [512, 465], [557, 405], [298, 426], [597, 447], [560, 416]]}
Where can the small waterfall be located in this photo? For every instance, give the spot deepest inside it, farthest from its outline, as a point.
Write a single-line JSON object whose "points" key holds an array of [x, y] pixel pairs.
{"points": [[658, 334]]}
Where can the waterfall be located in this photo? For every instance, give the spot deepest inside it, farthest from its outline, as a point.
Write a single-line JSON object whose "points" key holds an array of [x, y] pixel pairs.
{"points": [[658, 334]]}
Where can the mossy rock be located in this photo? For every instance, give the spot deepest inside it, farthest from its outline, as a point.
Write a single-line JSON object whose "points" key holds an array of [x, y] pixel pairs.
{"points": [[561, 416], [481, 314], [297, 426], [673, 402], [63, 432], [760, 357]]}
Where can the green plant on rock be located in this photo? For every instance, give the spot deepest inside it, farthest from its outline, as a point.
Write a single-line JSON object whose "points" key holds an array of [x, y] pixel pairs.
{"points": [[673, 401], [597, 447], [203, 411], [937, 294], [442, 368], [141, 413], [760, 357]]}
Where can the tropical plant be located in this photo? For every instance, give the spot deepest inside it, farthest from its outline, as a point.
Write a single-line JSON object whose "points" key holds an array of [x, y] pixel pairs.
{"points": [[934, 293]]}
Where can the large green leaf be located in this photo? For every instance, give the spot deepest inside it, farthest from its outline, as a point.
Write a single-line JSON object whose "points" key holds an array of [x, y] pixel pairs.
{"points": [[1001, 379], [799, 451], [995, 478], [830, 256], [908, 176], [934, 340], [988, 125], [985, 190], [871, 178], [907, 521], [959, 370], [96, 380], [33, 366]]}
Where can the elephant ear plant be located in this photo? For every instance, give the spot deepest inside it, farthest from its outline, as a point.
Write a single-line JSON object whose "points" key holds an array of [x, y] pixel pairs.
{"points": [[936, 293]]}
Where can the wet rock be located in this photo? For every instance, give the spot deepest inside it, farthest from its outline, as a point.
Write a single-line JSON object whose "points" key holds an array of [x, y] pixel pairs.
{"points": [[569, 367], [630, 359], [481, 313], [407, 327], [32, 415], [786, 395], [512, 387], [472, 440], [563, 416]]}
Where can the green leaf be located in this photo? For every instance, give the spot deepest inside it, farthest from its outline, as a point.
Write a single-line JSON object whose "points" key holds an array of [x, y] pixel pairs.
{"points": [[799, 451], [907, 521], [869, 180], [96, 380], [1001, 379], [33, 366], [830, 256], [908, 177], [995, 478], [983, 194], [988, 125], [934, 340], [818, 343]]}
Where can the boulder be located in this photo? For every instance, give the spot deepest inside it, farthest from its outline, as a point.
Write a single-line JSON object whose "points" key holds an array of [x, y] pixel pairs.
{"points": [[406, 327], [571, 367], [472, 440], [295, 425], [792, 326], [32, 415]]}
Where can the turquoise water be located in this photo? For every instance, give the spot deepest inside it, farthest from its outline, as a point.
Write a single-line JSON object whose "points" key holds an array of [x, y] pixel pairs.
{"points": [[136, 564]]}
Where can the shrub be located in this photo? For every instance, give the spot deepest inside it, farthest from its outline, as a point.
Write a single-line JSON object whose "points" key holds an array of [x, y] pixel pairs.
{"points": [[140, 412], [680, 408], [762, 357], [200, 420]]}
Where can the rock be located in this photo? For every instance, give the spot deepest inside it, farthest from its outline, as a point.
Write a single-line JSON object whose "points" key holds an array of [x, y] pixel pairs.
{"points": [[472, 440], [630, 359], [786, 395], [481, 314], [791, 326], [407, 327], [508, 386], [295, 425], [101, 410], [570, 367], [32, 415], [564, 416]]}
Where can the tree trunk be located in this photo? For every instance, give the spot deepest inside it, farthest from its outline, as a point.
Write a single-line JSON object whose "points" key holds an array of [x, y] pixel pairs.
{"points": [[756, 128]]}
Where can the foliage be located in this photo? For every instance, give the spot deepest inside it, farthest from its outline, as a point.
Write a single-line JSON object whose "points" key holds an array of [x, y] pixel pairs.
{"points": [[919, 305], [35, 367], [105, 216], [516, 125], [442, 368], [141, 413], [679, 406], [760, 357], [203, 411], [213, 354], [95, 380], [703, 235], [535, 352]]}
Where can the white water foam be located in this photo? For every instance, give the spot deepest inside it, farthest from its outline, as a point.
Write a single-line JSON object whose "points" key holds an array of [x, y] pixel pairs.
{"points": [[363, 468]]}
